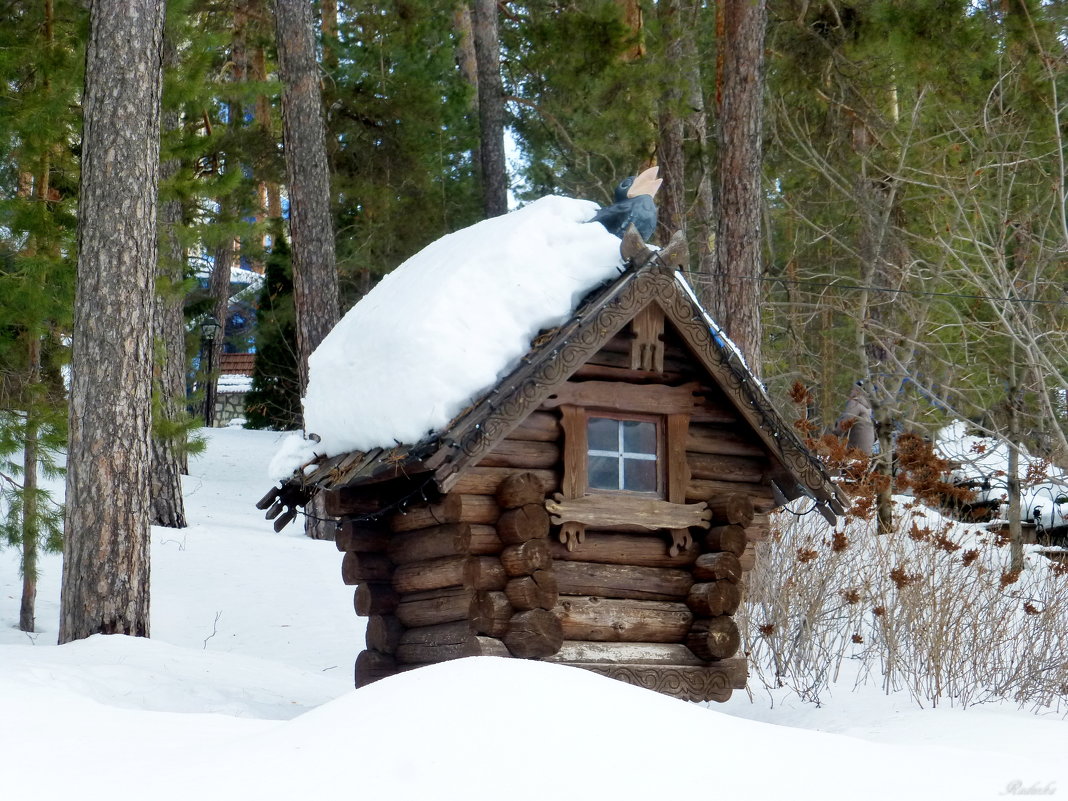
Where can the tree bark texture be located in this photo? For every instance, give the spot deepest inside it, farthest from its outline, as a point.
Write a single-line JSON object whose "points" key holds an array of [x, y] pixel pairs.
{"points": [[315, 290], [168, 452], [699, 165], [311, 229], [490, 108], [736, 304], [106, 523], [30, 522], [670, 154]]}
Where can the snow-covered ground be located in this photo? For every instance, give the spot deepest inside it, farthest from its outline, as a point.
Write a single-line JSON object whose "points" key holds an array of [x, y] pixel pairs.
{"points": [[984, 461], [244, 692]]}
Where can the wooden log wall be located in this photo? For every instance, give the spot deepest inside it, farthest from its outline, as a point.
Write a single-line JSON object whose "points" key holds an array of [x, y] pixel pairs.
{"points": [[627, 607], [439, 581], [482, 572]]}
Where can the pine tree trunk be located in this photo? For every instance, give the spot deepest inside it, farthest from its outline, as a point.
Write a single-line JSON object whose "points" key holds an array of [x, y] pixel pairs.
{"points": [[30, 522], [702, 229], [315, 291], [168, 437], [466, 61], [490, 109], [219, 290], [670, 155], [738, 241], [106, 523]]}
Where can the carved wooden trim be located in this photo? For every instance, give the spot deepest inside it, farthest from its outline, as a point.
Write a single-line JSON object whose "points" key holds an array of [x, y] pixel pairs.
{"points": [[607, 510], [712, 683], [647, 347], [678, 475], [573, 422]]}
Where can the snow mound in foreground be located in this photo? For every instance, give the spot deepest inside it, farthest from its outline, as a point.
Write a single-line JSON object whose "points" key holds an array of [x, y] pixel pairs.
{"points": [[441, 328], [490, 728]]}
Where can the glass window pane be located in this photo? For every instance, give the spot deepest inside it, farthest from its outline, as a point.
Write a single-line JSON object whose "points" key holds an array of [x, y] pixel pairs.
{"points": [[603, 473], [639, 475], [639, 436], [603, 434]]}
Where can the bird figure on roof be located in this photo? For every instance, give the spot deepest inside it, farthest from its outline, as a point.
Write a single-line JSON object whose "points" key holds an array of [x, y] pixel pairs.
{"points": [[633, 205]]}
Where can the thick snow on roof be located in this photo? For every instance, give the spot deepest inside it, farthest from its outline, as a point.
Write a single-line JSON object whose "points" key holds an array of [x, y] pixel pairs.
{"points": [[445, 325]]}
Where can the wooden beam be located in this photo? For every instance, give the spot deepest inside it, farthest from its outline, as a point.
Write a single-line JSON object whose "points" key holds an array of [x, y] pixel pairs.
{"points": [[718, 566], [375, 598], [357, 568], [448, 539], [526, 557], [724, 440], [623, 397], [645, 653], [525, 454], [486, 480], [520, 489], [372, 666], [642, 550], [529, 522], [360, 537], [437, 606], [444, 642], [534, 633], [713, 598], [536, 591], [494, 614], [606, 511], [721, 467], [537, 427], [612, 620], [448, 510], [622, 581], [729, 538], [484, 540], [700, 489], [383, 633], [714, 638], [731, 507], [434, 574]]}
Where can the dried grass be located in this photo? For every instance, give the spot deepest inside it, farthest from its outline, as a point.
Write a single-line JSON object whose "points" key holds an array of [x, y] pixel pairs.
{"points": [[931, 608]]}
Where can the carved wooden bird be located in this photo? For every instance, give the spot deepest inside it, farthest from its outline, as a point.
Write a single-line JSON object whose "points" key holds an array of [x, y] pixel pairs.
{"points": [[633, 205]]}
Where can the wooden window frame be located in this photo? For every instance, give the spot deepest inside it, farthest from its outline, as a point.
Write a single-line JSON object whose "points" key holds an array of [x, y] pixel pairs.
{"points": [[673, 473], [577, 506], [661, 478]]}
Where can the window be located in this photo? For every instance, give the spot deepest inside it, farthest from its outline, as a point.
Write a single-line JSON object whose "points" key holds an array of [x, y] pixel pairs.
{"points": [[622, 454]]}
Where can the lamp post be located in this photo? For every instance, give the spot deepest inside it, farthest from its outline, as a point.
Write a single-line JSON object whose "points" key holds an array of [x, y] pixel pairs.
{"points": [[209, 330]]}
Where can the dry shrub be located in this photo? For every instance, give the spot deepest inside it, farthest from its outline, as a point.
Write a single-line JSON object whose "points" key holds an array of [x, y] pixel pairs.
{"points": [[932, 608]]}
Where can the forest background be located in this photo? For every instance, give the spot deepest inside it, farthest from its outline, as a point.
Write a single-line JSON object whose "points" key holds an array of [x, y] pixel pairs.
{"points": [[912, 230]]}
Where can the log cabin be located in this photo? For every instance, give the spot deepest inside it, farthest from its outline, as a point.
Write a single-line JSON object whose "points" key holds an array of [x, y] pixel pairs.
{"points": [[597, 507]]}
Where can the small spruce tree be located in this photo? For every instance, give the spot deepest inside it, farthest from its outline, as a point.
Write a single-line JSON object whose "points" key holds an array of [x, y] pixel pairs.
{"points": [[274, 401]]}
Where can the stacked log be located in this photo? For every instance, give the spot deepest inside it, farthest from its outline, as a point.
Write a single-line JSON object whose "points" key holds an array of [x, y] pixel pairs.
{"points": [[446, 578], [716, 592], [530, 591], [367, 565]]}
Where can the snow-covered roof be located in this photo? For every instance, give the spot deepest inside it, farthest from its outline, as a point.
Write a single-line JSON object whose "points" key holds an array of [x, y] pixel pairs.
{"points": [[462, 342], [444, 326]]}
